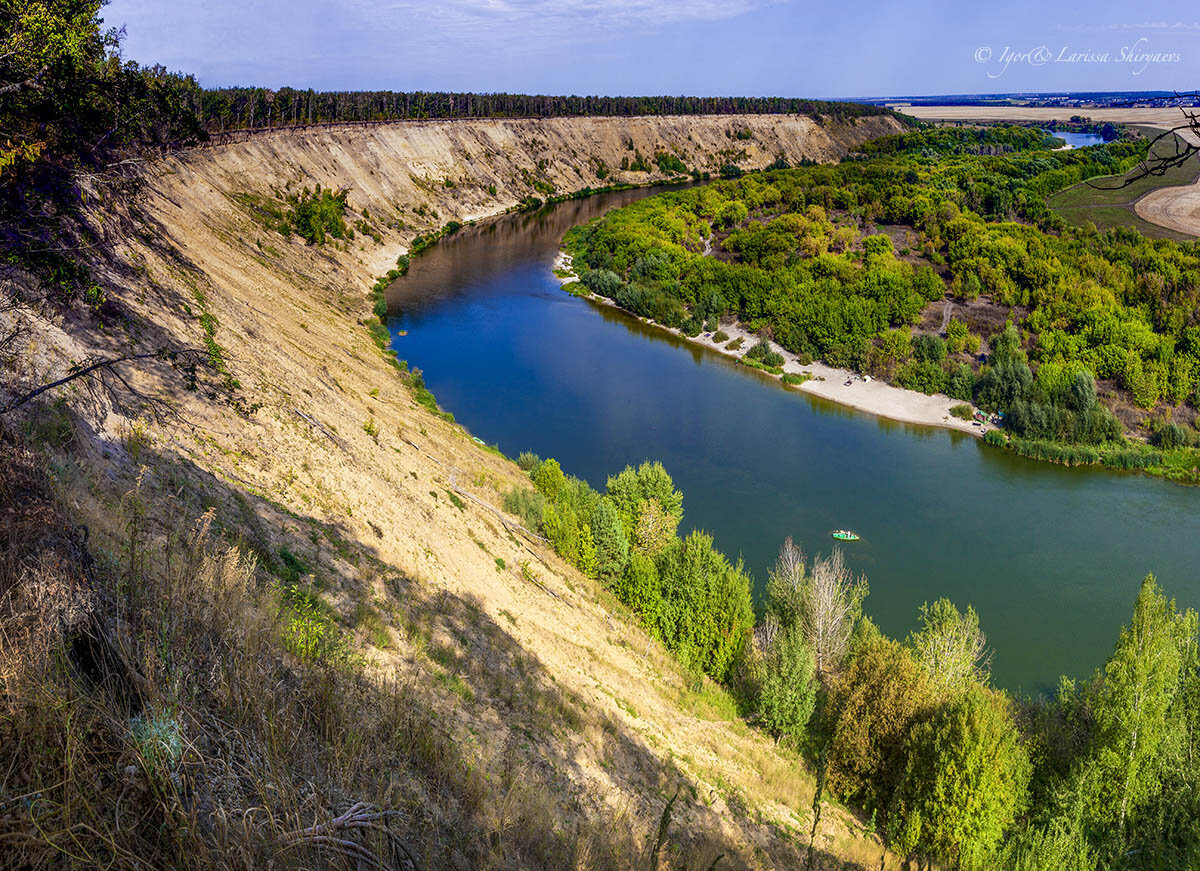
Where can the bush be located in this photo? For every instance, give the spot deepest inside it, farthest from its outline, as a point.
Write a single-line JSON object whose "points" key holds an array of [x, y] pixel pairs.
{"points": [[314, 214], [706, 613], [529, 505], [720, 336], [923, 375], [611, 541], [963, 411], [872, 707], [964, 782], [929, 349], [788, 692], [760, 351], [1171, 436], [603, 282], [773, 360], [735, 344]]}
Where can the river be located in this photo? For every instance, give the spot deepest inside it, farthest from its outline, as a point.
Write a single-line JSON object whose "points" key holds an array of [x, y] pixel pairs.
{"points": [[1050, 557]]}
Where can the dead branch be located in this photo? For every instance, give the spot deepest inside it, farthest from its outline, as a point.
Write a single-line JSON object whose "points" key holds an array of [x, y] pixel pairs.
{"points": [[1156, 165], [97, 369], [347, 835]]}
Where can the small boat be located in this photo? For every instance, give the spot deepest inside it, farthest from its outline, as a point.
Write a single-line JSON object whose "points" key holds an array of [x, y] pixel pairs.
{"points": [[845, 535], [403, 332]]}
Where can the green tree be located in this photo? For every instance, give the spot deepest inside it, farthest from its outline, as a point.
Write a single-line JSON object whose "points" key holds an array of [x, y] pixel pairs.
{"points": [[612, 545], [788, 692], [964, 782], [639, 589], [1137, 690], [654, 528], [707, 614], [629, 489], [951, 647], [548, 477], [872, 706]]}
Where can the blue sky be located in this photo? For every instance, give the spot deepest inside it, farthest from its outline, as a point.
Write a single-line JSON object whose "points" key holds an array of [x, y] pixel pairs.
{"points": [[750, 47]]}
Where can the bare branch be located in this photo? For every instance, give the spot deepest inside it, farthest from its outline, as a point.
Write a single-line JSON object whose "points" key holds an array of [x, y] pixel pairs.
{"points": [[1155, 164], [100, 367]]}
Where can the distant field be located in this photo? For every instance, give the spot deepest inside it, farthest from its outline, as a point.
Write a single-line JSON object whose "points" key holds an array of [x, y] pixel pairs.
{"points": [[1106, 203], [1164, 119]]}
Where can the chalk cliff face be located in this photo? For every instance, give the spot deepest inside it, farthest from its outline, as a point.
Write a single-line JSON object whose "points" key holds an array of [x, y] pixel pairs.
{"points": [[463, 170], [576, 719]]}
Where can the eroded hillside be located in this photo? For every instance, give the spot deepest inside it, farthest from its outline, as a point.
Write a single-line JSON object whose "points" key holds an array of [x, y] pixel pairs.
{"points": [[365, 625]]}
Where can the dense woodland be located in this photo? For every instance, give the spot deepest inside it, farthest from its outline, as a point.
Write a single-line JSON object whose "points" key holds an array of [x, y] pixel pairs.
{"points": [[951, 771], [841, 262], [236, 108]]}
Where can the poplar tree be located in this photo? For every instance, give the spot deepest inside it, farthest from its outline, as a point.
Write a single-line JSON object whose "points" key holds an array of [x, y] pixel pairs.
{"points": [[1137, 690]]}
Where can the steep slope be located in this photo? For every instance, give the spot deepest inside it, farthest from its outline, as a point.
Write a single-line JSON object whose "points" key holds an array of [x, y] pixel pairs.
{"points": [[551, 731]]}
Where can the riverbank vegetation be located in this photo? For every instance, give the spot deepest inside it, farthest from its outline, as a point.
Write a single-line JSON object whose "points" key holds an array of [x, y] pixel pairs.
{"points": [[950, 770], [1078, 337]]}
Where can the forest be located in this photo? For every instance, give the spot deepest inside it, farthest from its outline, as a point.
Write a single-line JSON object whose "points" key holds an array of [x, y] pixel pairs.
{"points": [[951, 770], [222, 109], [841, 263]]}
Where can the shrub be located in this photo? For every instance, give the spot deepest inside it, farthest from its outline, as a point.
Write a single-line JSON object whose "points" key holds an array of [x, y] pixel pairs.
{"points": [[669, 163], [529, 505], [632, 488], [735, 344], [962, 411], [964, 782], [929, 349], [760, 351], [720, 336], [706, 614], [314, 214], [773, 360], [925, 376], [611, 541], [548, 477], [1171, 436], [788, 692], [872, 706]]}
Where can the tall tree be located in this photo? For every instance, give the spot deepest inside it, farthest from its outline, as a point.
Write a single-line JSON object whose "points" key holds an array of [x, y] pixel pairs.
{"points": [[964, 783], [951, 647], [612, 544], [1137, 690]]}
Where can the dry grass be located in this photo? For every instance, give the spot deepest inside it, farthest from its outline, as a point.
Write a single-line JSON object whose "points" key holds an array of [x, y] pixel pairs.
{"points": [[331, 633]]}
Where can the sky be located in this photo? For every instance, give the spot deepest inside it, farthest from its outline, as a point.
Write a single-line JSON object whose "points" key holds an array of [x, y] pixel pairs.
{"points": [[695, 47]]}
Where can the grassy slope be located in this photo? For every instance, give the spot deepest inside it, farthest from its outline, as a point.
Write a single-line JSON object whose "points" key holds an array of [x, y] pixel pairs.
{"points": [[1105, 203], [505, 704]]}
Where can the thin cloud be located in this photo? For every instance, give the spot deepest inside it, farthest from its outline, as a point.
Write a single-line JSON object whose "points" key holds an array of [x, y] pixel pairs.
{"points": [[476, 21]]}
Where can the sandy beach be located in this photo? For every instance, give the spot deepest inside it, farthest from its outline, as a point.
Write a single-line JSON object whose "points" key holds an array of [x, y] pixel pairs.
{"points": [[837, 385]]}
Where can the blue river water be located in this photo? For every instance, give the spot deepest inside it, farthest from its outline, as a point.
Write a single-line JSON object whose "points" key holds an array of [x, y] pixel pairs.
{"points": [[1050, 557]]}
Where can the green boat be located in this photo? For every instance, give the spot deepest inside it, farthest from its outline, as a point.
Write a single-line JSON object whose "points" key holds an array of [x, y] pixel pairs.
{"points": [[844, 535]]}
